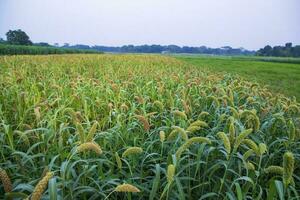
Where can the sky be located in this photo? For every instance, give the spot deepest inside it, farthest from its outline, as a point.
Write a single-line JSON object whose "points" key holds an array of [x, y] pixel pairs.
{"points": [[251, 24]]}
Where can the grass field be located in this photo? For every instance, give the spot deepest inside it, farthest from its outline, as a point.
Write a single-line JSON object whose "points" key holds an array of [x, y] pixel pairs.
{"points": [[143, 127], [280, 74]]}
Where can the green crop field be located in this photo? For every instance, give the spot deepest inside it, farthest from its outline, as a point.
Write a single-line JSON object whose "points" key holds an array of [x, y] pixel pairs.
{"points": [[280, 74], [6, 49], [148, 127]]}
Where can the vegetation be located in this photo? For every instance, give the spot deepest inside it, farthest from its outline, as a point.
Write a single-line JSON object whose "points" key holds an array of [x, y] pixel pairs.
{"points": [[142, 127], [166, 49], [18, 37], [18, 42], [284, 51], [280, 74], [35, 50]]}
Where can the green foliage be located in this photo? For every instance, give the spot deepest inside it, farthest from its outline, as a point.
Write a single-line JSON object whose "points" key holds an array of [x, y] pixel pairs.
{"points": [[37, 50], [283, 51], [66, 119], [167, 49], [2, 41], [17, 37]]}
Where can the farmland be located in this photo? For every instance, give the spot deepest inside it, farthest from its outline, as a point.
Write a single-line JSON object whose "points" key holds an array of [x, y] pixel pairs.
{"points": [[146, 127], [6, 49], [282, 75]]}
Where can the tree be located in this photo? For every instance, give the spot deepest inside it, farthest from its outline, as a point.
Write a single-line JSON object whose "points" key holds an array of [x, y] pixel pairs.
{"points": [[288, 45], [2, 41], [42, 44], [277, 51], [18, 37], [296, 51], [66, 45], [284, 51], [268, 50]]}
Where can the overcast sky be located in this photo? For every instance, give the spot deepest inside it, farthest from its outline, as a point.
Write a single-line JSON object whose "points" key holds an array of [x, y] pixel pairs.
{"points": [[239, 23]]}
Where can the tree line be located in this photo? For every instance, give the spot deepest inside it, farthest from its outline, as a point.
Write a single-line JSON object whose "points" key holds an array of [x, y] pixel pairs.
{"points": [[18, 42], [280, 51], [166, 49], [19, 37]]}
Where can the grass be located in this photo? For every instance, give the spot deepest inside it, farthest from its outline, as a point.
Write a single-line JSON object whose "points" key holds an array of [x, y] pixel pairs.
{"points": [[142, 127], [280, 74]]}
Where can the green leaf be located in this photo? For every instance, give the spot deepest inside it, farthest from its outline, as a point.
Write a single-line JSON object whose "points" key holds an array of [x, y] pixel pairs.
{"points": [[239, 191], [53, 189], [15, 195], [280, 190], [208, 195], [271, 191], [155, 182], [180, 189]]}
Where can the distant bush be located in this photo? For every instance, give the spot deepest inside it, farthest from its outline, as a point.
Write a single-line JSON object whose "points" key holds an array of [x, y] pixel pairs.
{"points": [[35, 50]]}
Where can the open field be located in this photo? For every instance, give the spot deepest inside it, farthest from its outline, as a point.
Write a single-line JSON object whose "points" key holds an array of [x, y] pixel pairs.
{"points": [[145, 127], [280, 74]]}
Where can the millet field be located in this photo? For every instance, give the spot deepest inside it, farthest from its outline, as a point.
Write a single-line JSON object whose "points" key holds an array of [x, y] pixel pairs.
{"points": [[142, 127]]}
